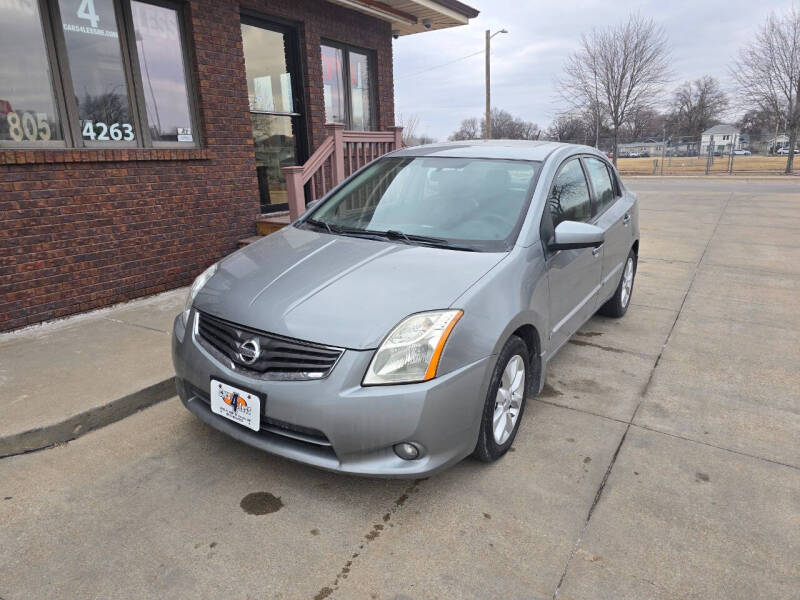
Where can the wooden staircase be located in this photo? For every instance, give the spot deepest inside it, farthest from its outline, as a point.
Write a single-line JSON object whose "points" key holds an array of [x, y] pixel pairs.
{"points": [[341, 154]]}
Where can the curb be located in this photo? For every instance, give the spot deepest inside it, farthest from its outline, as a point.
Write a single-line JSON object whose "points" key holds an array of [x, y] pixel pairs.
{"points": [[82, 423]]}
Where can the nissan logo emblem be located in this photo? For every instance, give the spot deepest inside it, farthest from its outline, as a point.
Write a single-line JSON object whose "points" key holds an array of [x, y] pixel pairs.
{"points": [[249, 351]]}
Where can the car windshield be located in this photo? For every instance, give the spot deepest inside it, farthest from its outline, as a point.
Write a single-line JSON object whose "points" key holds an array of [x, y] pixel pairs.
{"points": [[459, 203]]}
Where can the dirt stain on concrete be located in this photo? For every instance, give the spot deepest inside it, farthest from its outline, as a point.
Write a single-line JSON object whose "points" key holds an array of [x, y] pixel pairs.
{"points": [[314, 531], [587, 460], [589, 334], [600, 346], [371, 536], [548, 391], [487, 516], [703, 477], [261, 503], [323, 593]]}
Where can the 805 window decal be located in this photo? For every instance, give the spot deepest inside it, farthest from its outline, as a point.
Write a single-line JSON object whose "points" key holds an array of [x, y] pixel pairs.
{"points": [[28, 126]]}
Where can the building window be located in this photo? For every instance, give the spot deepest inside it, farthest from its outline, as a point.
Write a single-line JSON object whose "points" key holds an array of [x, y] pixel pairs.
{"points": [[28, 112], [162, 67], [97, 73], [353, 102]]}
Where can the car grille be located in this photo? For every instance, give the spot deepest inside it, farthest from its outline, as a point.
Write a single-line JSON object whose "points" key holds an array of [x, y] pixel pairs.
{"points": [[279, 357]]}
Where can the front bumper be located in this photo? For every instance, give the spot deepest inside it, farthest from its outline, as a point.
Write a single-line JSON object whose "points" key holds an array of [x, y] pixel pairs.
{"points": [[335, 423]]}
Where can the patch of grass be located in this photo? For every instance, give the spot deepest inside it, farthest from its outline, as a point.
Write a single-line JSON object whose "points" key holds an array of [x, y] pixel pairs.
{"points": [[697, 165]]}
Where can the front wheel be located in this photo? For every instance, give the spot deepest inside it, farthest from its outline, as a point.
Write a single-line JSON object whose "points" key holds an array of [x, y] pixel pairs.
{"points": [[618, 304], [505, 401]]}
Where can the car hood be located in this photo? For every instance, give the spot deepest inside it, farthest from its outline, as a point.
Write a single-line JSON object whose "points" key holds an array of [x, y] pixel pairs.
{"points": [[336, 290]]}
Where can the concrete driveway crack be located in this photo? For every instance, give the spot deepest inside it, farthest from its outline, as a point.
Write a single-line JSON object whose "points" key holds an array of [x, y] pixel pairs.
{"points": [[369, 537], [629, 423]]}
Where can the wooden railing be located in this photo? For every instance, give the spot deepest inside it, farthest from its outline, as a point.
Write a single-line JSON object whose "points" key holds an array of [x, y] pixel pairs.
{"points": [[341, 154]]}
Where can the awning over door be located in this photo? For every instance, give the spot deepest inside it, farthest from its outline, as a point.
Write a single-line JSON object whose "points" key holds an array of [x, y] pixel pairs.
{"points": [[414, 16]]}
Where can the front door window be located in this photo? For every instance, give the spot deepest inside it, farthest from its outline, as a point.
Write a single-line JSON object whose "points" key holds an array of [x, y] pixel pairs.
{"points": [[274, 108]]}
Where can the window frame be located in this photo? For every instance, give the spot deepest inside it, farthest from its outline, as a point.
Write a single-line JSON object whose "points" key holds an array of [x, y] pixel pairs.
{"points": [[59, 100], [593, 192], [187, 57], [64, 93], [373, 80]]}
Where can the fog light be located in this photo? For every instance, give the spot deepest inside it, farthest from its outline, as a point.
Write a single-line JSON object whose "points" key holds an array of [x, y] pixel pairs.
{"points": [[406, 451]]}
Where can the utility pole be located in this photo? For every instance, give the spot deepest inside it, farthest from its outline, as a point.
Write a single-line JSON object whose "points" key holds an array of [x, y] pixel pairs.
{"points": [[663, 146], [710, 159], [487, 133], [487, 130]]}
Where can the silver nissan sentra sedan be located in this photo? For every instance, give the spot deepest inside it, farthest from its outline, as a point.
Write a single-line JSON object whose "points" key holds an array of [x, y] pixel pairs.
{"points": [[399, 325]]}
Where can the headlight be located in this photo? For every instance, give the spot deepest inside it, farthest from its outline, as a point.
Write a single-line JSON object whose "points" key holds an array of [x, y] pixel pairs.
{"points": [[412, 350], [195, 289]]}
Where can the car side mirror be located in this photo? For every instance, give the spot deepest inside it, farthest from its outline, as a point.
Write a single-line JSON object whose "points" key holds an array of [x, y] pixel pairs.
{"points": [[570, 235]]}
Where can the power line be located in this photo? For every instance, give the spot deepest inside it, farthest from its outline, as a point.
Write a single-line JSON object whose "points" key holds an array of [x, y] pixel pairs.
{"points": [[450, 62]]}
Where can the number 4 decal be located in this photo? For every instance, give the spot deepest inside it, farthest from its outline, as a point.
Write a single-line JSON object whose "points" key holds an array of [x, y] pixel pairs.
{"points": [[86, 11]]}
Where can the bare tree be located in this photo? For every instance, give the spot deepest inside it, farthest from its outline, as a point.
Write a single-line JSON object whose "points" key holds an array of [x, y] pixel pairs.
{"points": [[768, 71], [570, 127], [468, 130], [618, 71], [504, 126], [644, 122], [697, 105], [409, 123]]}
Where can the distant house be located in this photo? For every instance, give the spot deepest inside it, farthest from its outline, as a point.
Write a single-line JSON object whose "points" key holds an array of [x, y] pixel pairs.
{"points": [[722, 138], [648, 147], [776, 143]]}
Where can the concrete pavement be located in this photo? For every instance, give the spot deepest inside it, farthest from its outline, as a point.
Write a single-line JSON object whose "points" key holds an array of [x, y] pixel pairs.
{"points": [[62, 379], [661, 461]]}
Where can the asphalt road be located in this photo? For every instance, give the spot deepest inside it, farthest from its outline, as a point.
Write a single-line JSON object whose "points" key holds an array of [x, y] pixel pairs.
{"points": [[662, 461]]}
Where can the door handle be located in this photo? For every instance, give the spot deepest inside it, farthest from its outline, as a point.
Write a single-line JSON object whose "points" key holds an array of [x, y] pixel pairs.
{"points": [[626, 219], [596, 251]]}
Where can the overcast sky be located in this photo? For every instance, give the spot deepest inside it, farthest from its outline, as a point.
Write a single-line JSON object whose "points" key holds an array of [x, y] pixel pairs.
{"points": [[704, 36]]}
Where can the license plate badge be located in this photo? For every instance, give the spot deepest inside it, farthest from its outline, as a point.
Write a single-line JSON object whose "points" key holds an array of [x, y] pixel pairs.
{"points": [[240, 406]]}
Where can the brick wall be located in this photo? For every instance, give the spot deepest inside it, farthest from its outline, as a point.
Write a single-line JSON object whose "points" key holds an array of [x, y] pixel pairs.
{"points": [[81, 229]]}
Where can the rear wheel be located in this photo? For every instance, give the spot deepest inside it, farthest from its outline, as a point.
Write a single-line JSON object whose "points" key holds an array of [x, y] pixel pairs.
{"points": [[505, 401], [618, 304]]}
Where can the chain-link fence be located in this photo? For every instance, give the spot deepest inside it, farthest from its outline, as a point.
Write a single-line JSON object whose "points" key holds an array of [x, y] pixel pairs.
{"points": [[707, 155]]}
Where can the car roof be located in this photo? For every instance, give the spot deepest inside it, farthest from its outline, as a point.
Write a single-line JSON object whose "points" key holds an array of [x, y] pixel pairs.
{"points": [[503, 149]]}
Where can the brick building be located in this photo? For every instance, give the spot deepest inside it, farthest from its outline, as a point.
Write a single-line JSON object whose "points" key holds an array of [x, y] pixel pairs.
{"points": [[140, 139]]}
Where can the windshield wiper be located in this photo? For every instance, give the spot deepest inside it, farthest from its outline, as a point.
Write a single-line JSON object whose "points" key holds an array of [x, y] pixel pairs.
{"points": [[343, 230], [391, 234], [434, 242], [323, 224]]}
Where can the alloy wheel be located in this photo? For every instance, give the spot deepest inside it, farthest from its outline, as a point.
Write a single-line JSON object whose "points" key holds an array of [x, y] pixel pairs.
{"points": [[509, 399], [627, 282]]}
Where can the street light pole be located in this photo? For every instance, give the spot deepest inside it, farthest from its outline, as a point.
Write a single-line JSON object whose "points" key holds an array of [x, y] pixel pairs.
{"points": [[487, 130]]}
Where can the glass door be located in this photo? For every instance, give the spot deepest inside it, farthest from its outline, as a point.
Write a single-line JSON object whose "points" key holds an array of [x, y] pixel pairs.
{"points": [[273, 80]]}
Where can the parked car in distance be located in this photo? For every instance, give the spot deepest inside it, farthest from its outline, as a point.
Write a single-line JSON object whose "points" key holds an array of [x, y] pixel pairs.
{"points": [[742, 152], [398, 326], [785, 151]]}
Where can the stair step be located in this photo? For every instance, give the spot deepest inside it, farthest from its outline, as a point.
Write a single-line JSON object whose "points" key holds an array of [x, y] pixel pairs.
{"points": [[272, 222], [249, 240]]}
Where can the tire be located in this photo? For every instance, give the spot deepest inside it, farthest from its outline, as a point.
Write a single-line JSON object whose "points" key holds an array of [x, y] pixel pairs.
{"points": [[489, 447], [618, 304]]}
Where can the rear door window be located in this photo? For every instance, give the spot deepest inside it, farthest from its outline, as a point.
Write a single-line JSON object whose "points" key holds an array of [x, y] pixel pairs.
{"points": [[602, 184]]}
